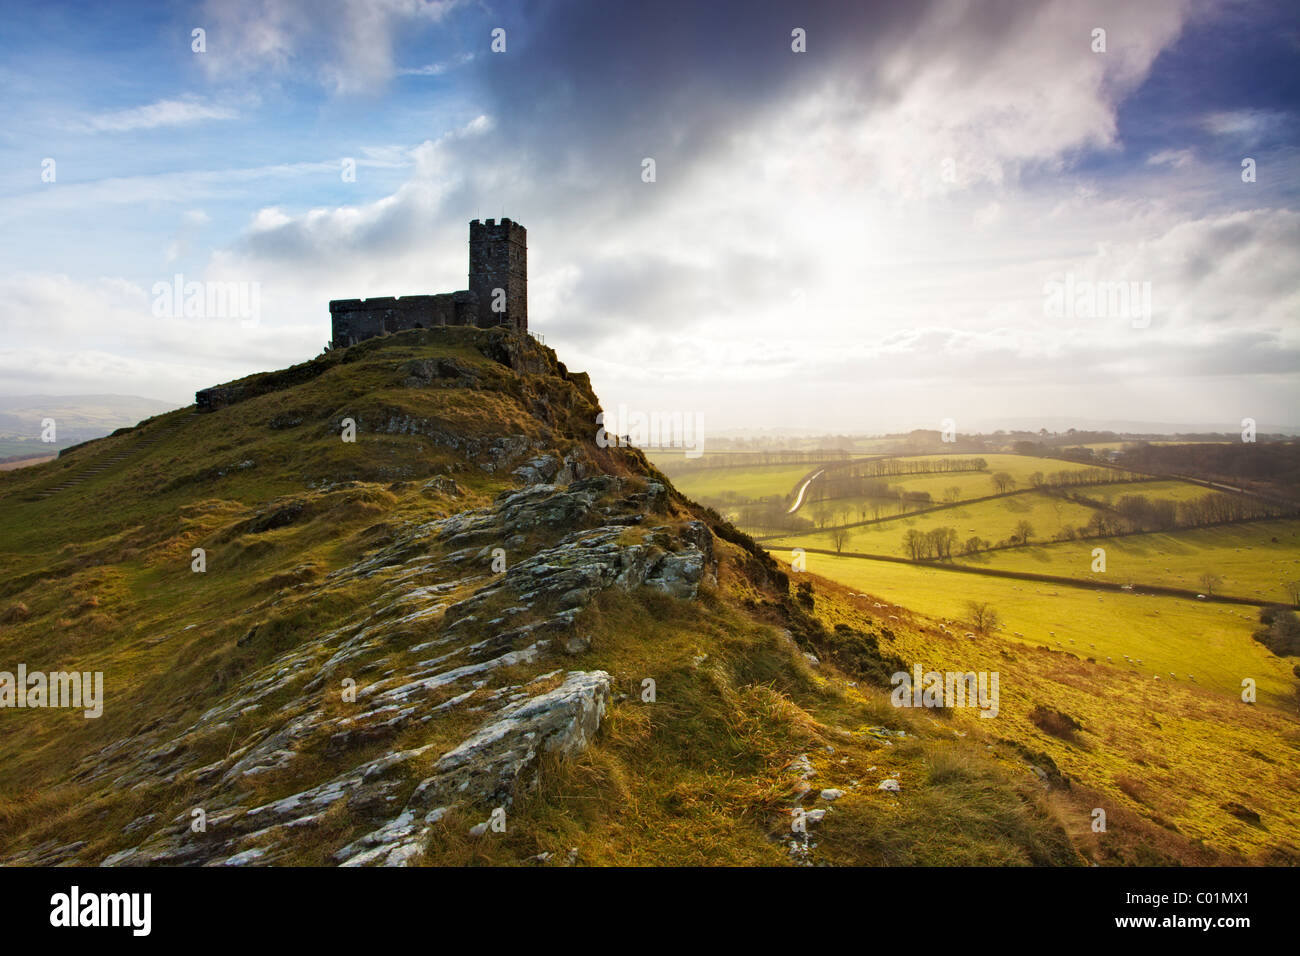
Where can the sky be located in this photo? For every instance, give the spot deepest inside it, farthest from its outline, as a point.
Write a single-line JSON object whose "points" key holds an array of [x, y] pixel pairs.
{"points": [[935, 210]]}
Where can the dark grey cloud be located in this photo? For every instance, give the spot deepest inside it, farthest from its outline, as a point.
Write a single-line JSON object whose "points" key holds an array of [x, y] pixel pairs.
{"points": [[587, 89]]}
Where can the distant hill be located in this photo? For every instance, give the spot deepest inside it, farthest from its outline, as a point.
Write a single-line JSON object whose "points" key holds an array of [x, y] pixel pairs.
{"points": [[77, 418]]}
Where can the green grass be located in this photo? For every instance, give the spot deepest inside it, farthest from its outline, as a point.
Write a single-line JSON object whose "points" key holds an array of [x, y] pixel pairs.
{"points": [[993, 520], [1168, 490], [747, 482], [1253, 559], [99, 579], [1212, 642], [1019, 467], [1167, 759]]}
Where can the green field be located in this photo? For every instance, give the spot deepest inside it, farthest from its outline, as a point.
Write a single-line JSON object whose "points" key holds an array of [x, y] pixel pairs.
{"points": [[993, 520], [1253, 559], [1173, 490], [1210, 642], [971, 484], [758, 481], [1019, 467]]}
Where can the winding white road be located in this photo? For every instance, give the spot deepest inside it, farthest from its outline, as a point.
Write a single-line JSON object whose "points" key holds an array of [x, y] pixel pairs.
{"points": [[798, 500]]}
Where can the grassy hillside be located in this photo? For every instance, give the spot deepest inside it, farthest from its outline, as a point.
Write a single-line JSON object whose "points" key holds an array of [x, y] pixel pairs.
{"points": [[1185, 770], [374, 564]]}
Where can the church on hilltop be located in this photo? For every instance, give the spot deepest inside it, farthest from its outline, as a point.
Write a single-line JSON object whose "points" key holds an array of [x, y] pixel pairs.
{"points": [[497, 293]]}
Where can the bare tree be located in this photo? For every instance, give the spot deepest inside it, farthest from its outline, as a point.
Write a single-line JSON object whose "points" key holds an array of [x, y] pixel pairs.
{"points": [[1209, 581], [913, 544], [982, 616], [1003, 482], [1293, 590], [840, 537], [1024, 531]]}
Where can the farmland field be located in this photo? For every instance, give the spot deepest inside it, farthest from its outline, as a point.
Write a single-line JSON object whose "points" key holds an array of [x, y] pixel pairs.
{"points": [[1173, 490], [993, 520], [757, 481], [1182, 754], [1253, 559], [1205, 644], [1019, 467]]}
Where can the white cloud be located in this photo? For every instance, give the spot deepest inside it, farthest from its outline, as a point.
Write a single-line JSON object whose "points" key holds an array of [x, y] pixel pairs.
{"points": [[348, 44], [1175, 158], [162, 113], [1246, 126]]}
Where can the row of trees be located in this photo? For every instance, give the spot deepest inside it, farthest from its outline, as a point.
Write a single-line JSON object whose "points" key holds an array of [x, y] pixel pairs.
{"points": [[1133, 514], [890, 467], [941, 543], [770, 514], [1078, 477], [1219, 508], [928, 545], [898, 502], [750, 459], [1268, 461], [860, 479]]}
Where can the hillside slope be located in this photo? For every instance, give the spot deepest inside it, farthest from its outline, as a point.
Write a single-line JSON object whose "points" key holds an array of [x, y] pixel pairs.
{"points": [[470, 635]]}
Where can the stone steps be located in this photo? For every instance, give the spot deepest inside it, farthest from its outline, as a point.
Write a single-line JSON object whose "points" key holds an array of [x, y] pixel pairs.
{"points": [[102, 465]]}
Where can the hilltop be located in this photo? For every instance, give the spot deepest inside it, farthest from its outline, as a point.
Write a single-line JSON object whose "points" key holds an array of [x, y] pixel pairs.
{"points": [[470, 635]]}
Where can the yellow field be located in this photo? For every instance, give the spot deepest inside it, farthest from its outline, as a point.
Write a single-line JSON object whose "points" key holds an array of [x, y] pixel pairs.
{"points": [[1253, 559], [1170, 490], [993, 520], [756, 482], [1183, 756], [1019, 467], [1205, 644]]}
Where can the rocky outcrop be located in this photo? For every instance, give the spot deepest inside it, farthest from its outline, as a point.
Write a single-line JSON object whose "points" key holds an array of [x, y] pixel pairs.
{"points": [[446, 636], [490, 765]]}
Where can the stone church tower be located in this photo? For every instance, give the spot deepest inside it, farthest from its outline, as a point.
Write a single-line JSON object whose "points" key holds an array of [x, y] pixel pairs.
{"points": [[497, 293], [498, 259]]}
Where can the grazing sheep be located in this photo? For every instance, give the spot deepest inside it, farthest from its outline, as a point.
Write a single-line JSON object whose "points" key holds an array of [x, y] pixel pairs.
{"points": [[969, 634]]}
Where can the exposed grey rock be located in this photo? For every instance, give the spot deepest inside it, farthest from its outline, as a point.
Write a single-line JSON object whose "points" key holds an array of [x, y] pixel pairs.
{"points": [[435, 635], [486, 768]]}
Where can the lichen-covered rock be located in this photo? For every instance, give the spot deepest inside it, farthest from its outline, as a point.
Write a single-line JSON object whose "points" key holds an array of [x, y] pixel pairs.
{"points": [[440, 638], [487, 767]]}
